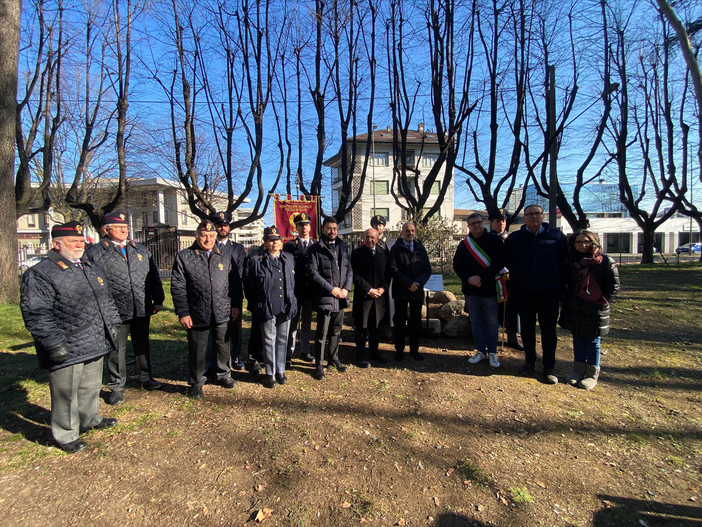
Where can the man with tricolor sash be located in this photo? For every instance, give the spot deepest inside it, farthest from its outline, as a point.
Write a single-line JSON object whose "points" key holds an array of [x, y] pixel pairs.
{"points": [[477, 262]]}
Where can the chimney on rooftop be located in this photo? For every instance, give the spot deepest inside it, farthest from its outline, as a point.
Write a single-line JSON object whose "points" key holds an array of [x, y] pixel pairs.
{"points": [[420, 129]]}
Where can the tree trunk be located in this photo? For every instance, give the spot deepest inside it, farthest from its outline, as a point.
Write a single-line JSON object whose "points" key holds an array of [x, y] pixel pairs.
{"points": [[647, 250], [9, 51]]}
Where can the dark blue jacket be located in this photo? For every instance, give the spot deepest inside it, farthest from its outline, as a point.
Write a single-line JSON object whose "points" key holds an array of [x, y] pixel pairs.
{"points": [[303, 287], [206, 290], [327, 271], [134, 282], [238, 254], [61, 303], [270, 287], [465, 265], [409, 267], [536, 261]]}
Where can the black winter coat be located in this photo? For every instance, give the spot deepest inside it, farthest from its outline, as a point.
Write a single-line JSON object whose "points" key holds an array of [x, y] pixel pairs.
{"points": [[238, 254], [583, 317], [303, 287], [535, 261], [370, 272], [134, 282], [61, 303], [466, 265], [327, 272], [270, 289], [205, 289], [409, 267]]}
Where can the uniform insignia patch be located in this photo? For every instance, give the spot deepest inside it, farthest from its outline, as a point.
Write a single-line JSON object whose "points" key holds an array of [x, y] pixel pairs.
{"points": [[79, 229], [62, 265]]}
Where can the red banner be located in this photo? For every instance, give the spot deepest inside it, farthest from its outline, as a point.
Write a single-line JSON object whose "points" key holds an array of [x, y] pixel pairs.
{"points": [[284, 212]]}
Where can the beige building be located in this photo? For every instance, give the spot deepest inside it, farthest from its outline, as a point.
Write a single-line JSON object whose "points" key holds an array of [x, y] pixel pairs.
{"points": [[377, 198]]}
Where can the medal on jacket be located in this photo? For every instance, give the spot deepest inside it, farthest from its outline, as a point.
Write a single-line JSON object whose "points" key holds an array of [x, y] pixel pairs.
{"points": [[221, 267], [100, 281], [140, 257]]}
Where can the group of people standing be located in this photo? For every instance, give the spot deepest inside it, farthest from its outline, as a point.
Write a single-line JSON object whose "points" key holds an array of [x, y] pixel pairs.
{"points": [[81, 305], [547, 273]]}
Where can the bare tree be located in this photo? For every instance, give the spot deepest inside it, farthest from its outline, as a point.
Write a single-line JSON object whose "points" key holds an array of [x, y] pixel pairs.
{"points": [[39, 112], [9, 51]]}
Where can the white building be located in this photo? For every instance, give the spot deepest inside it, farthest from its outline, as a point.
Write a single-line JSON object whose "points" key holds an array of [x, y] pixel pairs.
{"points": [[377, 198]]}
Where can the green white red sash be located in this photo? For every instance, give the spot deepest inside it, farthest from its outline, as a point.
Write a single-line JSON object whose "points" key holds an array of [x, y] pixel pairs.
{"points": [[483, 259]]}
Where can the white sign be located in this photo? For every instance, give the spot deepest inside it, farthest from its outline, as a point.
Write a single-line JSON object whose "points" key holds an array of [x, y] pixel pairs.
{"points": [[435, 283]]}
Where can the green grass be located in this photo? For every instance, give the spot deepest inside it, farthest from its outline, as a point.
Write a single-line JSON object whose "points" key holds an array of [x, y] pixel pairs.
{"points": [[521, 495]]}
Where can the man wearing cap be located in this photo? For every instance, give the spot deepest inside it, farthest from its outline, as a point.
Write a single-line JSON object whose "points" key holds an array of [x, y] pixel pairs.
{"points": [[384, 241], [67, 307], [205, 284], [411, 270], [508, 314], [222, 221], [134, 282], [477, 261], [331, 276], [299, 247], [371, 279], [270, 289]]}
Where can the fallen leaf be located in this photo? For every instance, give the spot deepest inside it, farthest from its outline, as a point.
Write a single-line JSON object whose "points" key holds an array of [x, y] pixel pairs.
{"points": [[263, 514], [449, 471], [398, 467], [345, 505], [259, 488], [437, 501], [540, 484], [401, 522]]}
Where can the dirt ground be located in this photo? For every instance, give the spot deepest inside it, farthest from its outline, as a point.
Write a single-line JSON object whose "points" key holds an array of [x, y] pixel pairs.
{"points": [[439, 442]]}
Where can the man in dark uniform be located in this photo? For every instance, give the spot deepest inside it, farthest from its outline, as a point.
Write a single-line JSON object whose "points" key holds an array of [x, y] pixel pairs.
{"points": [[477, 261], [136, 288], [384, 241], [331, 276], [205, 284], [411, 270], [508, 316], [298, 247], [535, 256], [371, 279], [67, 307], [222, 221], [270, 289]]}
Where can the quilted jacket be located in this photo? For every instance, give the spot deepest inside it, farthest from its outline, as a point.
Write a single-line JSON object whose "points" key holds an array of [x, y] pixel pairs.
{"points": [[134, 281], [205, 289], [327, 272], [62, 303], [238, 254]]}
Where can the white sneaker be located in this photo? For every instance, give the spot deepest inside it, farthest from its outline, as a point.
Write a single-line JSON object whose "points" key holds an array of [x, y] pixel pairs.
{"points": [[475, 359], [493, 360]]}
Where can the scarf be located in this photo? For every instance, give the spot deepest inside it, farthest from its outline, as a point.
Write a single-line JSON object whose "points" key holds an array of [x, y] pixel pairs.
{"points": [[585, 283]]}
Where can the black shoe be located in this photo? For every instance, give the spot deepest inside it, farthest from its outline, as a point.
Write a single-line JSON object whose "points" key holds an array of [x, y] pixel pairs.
{"points": [[363, 364], [238, 365], [527, 369], [515, 344], [377, 357], [281, 378], [307, 357], [107, 422], [195, 392], [318, 374], [227, 382], [416, 355], [550, 376], [151, 385], [399, 356], [115, 397], [339, 367], [254, 368], [269, 382], [73, 446]]}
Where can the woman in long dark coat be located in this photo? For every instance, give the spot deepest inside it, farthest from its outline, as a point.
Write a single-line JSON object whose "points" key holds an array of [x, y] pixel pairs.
{"points": [[592, 280]]}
